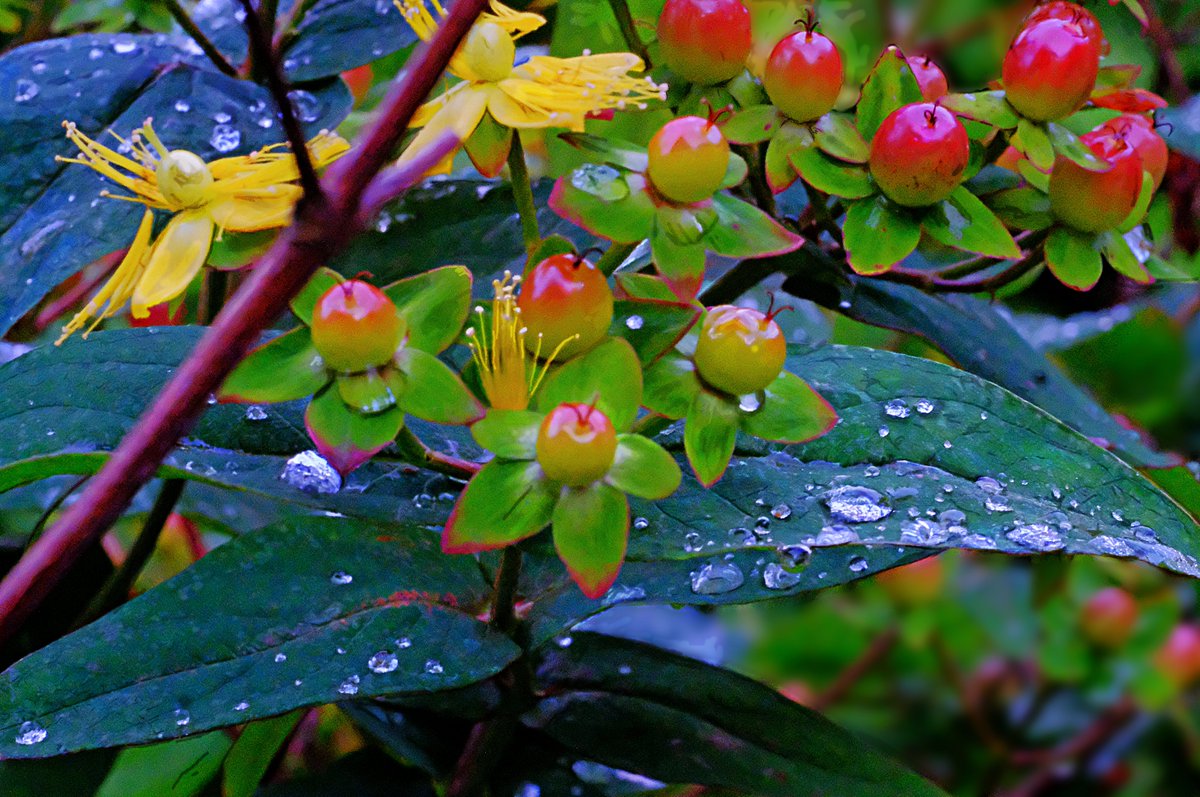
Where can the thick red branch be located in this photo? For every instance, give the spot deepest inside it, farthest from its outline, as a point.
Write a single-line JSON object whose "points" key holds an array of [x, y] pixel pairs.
{"points": [[321, 229]]}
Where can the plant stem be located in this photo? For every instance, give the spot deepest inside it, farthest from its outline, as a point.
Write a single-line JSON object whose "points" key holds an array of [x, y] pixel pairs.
{"points": [[486, 743], [509, 576], [876, 652], [190, 27], [763, 196], [523, 196], [321, 229], [120, 582], [613, 257], [216, 287], [628, 27], [416, 452], [932, 283], [55, 505]]}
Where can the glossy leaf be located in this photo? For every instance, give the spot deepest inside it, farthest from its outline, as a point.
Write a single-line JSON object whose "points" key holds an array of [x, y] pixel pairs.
{"points": [[606, 202], [850, 181], [304, 304], [837, 136], [890, 85], [503, 503], [1033, 140], [790, 138], [709, 433], [790, 412], [989, 107], [609, 374], [284, 369], [652, 326], [347, 438], [1121, 257], [1068, 145], [1073, 258], [680, 264], [435, 304], [879, 234], [962, 221], [251, 755], [671, 385], [643, 468], [183, 768], [614, 153], [433, 391], [753, 125], [1024, 208], [510, 434], [742, 230], [591, 526], [170, 663]]}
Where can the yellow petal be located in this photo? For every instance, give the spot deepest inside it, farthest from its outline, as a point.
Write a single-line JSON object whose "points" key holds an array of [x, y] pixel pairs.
{"points": [[431, 108], [517, 23], [507, 108], [174, 260], [249, 213], [460, 116]]}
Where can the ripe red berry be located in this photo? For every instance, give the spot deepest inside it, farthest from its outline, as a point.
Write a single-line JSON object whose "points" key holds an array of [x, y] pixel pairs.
{"points": [[919, 154], [930, 78], [1179, 657], [688, 159], [739, 350], [1050, 69], [355, 326], [576, 444], [705, 41], [1071, 12], [1108, 617], [565, 301], [915, 584], [1097, 201], [804, 75], [1138, 132]]}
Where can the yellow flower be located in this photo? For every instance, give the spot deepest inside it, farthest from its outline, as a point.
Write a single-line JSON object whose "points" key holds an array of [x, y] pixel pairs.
{"points": [[242, 194], [539, 92], [508, 373]]}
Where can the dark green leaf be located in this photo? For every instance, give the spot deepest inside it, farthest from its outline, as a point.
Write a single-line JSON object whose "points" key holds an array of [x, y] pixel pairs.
{"points": [[890, 85], [879, 234], [1073, 258], [962, 221], [171, 663], [734, 732]]}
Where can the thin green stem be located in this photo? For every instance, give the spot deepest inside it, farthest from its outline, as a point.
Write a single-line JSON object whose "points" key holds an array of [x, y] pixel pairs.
{"points": [[414, 450], [44, 518], [118, 586], [523, 195], [504, 602], [190, 27], [613, 257], [628, 27], [759, 187]]}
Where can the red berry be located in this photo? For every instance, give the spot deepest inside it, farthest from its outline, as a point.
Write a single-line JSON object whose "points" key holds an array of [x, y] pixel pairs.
{"points": [[565, 302], [1071, 12], [804, 75], [739, 350], [1139, 133], [355, 326], [705, 41], [1179, 657], [1097, 201], [1050, 69], [576, 444], [688, 159], [930, 78], [915, 584], [919, 154], [1109, 616]]}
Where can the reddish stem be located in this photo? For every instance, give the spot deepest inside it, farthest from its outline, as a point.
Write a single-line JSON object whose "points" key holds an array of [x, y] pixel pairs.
{"points": [[322, 228]]}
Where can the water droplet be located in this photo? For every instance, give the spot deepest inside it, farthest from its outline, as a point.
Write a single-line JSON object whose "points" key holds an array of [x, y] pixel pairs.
{"points": [[995, 503], [403, 642], [641, 523], [349, 686], [692, 543], [623, 594], [225, 138], [857, 564], [310, 473], [26, 90], [280, 657], [989, 485], [306, 105], [884, 431], [124, 46], [836, 534], [634, 322], [528, 789], [95, 54], [793, 557], [1111, 546], [182, 717], [947, 444], [922, 532], [30, 733], [925, 406], [1145, 534], [775, 576], [749, 403], [781, 511], [717, 578], [38, 68], [340, 577], [854, 504], [220, 117], [182, 106], [897, 408], [1037, 537], [255, 413], [241, 706], [564, 641], [952, 517], [434, 667], [383, 662]]}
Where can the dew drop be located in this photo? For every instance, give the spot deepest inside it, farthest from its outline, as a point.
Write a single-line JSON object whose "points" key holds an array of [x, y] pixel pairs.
{"points": [[853, 504], [182, 717], [225, 138], [182, 106], [255, 413], [775, 576], [280, 658], [26, 90], [383, 662], [241, 706], [634, 322], [306, 105], [309, 472], [857, 564], [349, 686], [897, 408], [403, 642], [1037, 537], [340, 577], [925, 406], [641, 523], [717, 578], [30, 733], [781, 511], [434, 667]]}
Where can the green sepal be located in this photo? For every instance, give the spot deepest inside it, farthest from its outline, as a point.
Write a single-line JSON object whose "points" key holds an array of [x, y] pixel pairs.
{"points": [[837, 136], [1118, 76], [233, 251], [488, 146], [671, 385], [432, 391], [847, 180], [878, 234], [283, 369], [753, 125], [1073, 258], [742, 230], [963, 222], [434, 304], [1121, 257], [890, 85], [551, 245], [709, 434], [1068, 145], [681, 265], [367, 392], [504, 503], [591, 530], [1140, 208], [305, 302], [643, 468], [778, 159], [1033, 140], [625, 156], [345, 438], [989, 107], [509, 434], [686, 224], [643, 286], [790, 412], [652, 327], [1034, 176], [1024, 208], [627, 217], [610, 374], [735, 171]]}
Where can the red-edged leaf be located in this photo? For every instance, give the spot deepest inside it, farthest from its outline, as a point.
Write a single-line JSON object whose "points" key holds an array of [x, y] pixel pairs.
{"points": [[742, 230], [606, 202], [591, 529], [284, 369], [489, 145], [505, 502], [709, 434], [790, 412], [1129, 100], [346, 438]]}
